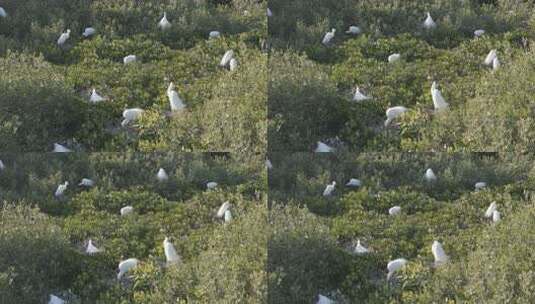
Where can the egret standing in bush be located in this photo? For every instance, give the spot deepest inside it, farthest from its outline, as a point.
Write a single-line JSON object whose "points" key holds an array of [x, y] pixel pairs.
{"points": [[95, 97], [211, 185], [353, 30], [439, 254], [479, 33], [359, 96], [394, 266], [394, 210], [480, 185], [91, 248], [222, 209], [329, 189], [60, 149], [162, 176], [64, 37], [125, 266], [430, 175], [55, 300], [175, 101], [359, 249], [438, 100], [328, 37], [353, 182], [394, 57], [88, 32], [170, 252], [130, 115], [86, 182], [129, 59], [323, 148], [393, 113], [324, 300], [225, 61], [164, 24], [429, 23], [214, 35], [60, 190], [490, 57], [490, 210], [126, 210]]}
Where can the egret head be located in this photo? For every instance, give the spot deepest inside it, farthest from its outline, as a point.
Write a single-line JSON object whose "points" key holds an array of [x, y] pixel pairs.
{"points": [[333, 30], [68, 31]]}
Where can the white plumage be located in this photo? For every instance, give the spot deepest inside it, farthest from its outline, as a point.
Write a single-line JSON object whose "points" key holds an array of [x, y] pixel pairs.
{"points": [[55, 300], [480, 185], [430, 175], [89, 31], [95, 97], [394, 210], [329, 189], [162, 176], [91, 248], [211, 185], [429, 23], [2, 166], [394, 266], [125, 266], [353, 30], [359, 249], [324, 300], [3, 13], [226, 58], [269, 165], [496, 216], [164, 24], [228, 216], [126, 210], [214, 35], [170, 252], [60, 190], [359, 96], [222, 209], [269, 13], [490, 57], [393, 113], [130, 115], [328, 37], [129, 59], [490, 210], [86, 182], [63, 37], [394, 57], [175, 101], [323, 148], [353, 182], [438, 100], [495, 63], [479, 33], [233, 64], [439, 254], [60, 149]]}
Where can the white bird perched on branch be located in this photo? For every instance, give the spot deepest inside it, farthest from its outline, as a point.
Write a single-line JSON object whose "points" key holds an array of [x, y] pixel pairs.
{"points": [[130, 115], [496, 216], [162, 176], [95, 97], [328, 37], [490, 210], [393, 113], [86, 182], [490, 57], [353, 182], [222, 209], [64, 37], [88, 32], [323, 148], [329, 189], [394, 210], [353, 30], [429, 23], [394, 57], [479, 33], [438, 100], [129, 59], [480, 185], [126, 210], [55, 300], [175, 101], [91, 248], [228, 216], [430, 175], [125, 266], [359, 249], [359, 96], [211, 185], [439, 254], [170, 252], [164, 24], [324, 300], [60, 190], [394, 266], [3, 13], [214, 35], [225, 60], [60, 149]]}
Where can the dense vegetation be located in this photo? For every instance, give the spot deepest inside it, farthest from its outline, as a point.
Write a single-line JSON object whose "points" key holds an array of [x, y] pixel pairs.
{"points": [[312, 85], [46, 87], [312, 252], [43, 237]]}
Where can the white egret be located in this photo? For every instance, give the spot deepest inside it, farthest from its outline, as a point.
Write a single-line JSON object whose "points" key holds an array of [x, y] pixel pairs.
{"points": [[211, 185], [394, 266], [214, 35], [490, 57], [359, 96], [3, 13], [269, 165], [222, 209], [393, 113], [269, 13], [233, 64], [479, 33], [55, 300], [438, 100], [86, 182], [495, 63], [429, 23], [226, 58], [329, 189], [63, 37], [60, 149], [129, 59], [439, 254], [328, 37], [228, 216], [91, 248], [323, 148], [353, 30], [394, 210], [324, 300], [480, 185], [394, 57], [490, 210], [89, 31], [170, 252], [130, 115], [175, 101], [126, 210], [496, 216], [95, 97], [60, 190], [125, 266], [164, 24], [2, 166], [430, 175], [353, 182], [359, 249], [162, 176]]}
